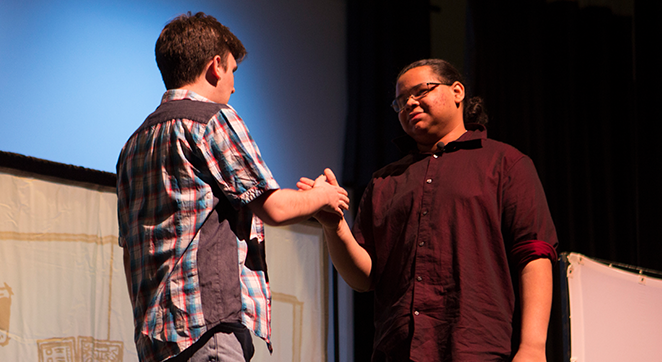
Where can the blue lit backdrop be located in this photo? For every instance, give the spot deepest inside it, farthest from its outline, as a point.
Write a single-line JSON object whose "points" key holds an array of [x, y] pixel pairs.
{"points": [[78, 77]]}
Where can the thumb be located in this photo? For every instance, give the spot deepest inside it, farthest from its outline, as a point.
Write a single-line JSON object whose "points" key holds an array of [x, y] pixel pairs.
{"points": [[320, 179], [330, 177]]}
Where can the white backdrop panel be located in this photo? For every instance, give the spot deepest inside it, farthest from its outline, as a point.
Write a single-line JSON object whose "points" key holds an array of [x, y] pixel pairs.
{"points": [[615, 315], [63, 295]]}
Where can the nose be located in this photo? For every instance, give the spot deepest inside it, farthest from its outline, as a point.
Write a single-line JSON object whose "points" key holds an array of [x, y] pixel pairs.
{"points": [[411, 101]]}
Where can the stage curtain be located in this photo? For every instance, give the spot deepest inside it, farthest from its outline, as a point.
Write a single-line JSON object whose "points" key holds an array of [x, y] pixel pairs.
{"points": [[382, 38], [574, 88]]}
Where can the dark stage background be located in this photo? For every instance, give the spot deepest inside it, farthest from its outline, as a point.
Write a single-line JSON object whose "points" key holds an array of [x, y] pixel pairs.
{"points": [[575, 88]]}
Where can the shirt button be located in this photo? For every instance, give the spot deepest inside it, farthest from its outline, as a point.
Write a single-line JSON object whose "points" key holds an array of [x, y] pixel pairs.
{"points": [[419, 278], [429, 180], [435, 156], [416, 312], [421, 243], [425, 212]]}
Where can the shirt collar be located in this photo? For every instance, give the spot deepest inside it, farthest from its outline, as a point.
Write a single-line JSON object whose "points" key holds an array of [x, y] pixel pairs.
{"points": [[469, 140], [179, 94]]}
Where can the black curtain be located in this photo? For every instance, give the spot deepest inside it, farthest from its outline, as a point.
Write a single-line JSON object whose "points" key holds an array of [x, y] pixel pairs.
{"points": [[575, 88], [558, 83], [382, 38], [648, 126]]}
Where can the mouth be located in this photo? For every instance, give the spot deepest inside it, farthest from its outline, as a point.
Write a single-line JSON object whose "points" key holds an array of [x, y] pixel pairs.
{"points": [[412, 117]]}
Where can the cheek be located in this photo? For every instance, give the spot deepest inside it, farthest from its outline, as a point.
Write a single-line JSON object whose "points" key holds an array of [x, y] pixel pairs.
{"points": [[402, 117], [438, 104]]}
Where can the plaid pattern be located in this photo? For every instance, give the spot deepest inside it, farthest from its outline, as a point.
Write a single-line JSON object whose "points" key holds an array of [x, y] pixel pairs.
{"points": [[164, 193]]}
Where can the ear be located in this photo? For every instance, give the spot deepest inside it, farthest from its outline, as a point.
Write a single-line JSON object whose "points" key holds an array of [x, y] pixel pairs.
{"points": [[458, 92], [215, 67]]}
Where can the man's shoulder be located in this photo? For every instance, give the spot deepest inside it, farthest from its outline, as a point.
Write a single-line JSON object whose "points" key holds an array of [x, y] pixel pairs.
{"points": [[193, 110], [504, 150]]}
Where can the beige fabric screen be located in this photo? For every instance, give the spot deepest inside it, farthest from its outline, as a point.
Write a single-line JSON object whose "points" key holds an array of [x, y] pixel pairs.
{"points": [[614, 313], [66, 297], [296, 261], [63, 295]]}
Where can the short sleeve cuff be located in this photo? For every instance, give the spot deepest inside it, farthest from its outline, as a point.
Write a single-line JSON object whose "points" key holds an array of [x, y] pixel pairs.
{"points": [[527, 251], [251, 194]]}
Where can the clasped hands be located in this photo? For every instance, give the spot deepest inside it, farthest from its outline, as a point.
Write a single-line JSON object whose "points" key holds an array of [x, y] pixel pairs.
{"points": [[331, 214]]}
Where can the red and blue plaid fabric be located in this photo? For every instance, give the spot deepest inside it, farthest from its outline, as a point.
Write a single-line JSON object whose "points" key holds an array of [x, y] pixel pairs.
{"points": [[163, 200]]}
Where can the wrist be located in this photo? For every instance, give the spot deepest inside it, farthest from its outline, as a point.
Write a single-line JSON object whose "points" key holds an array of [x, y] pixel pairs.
{"points": [[532, 349]]}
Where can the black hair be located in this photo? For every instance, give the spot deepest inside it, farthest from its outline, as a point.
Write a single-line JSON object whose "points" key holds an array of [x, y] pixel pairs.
{"points": [[474, 107]]}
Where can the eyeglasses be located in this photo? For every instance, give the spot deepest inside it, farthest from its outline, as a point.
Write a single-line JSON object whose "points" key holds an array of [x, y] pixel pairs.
{"points": [[417, 93]]}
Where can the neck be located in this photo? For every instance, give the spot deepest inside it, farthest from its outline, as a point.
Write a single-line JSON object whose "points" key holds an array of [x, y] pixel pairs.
{"points": [[449, 137], [202, 87]]}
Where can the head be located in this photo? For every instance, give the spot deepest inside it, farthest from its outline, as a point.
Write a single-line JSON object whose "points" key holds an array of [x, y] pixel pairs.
{"points": [[473, 110], [430, 97], [189, 43], [443, 70], [429, 105]]}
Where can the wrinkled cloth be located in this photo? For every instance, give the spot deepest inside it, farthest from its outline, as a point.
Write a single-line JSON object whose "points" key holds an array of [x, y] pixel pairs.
{"points": [[185, 178], [441, 229]]}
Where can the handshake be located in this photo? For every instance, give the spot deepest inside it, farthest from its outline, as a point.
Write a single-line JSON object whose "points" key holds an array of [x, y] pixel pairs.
{"points": [[337, 198]]}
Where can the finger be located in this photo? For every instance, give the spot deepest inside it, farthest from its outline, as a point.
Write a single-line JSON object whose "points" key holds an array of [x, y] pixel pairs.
{"points": [[320, 179], [306, 180], [303, 186], [330, 177], [342, 194], [334, 210]]}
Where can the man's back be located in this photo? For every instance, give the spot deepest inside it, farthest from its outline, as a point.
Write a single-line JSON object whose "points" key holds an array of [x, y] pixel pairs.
{"points": [[180, 188]]}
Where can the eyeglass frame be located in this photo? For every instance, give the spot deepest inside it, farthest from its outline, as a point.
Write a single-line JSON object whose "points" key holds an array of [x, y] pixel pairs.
{"points": [[422, 95]]}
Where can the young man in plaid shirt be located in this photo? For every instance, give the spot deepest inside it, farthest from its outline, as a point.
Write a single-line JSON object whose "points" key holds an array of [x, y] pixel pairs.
{"points": [[193, 192]]}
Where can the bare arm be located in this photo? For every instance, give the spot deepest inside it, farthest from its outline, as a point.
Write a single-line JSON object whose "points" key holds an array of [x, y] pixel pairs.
{"points": [[283, 207], [350, 259], [536, 296]]}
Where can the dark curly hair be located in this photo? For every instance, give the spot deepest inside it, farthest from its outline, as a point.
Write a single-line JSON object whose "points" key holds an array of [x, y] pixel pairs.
{"points": [[474, 108], [188, 43]]}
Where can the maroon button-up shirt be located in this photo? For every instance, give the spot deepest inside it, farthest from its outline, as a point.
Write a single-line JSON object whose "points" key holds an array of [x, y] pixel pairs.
{"points": [[444, 231]]}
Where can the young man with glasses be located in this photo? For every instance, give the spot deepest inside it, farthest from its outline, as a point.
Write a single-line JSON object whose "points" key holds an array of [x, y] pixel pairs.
{"points": [[193, 192], [447, 236]]}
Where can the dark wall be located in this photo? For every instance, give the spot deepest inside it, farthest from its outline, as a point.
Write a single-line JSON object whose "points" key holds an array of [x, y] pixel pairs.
{"points": [[573, 88], [382, 38]]}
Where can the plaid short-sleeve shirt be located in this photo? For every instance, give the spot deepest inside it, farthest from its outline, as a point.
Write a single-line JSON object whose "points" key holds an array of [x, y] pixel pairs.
{"points": [[168, 174]]}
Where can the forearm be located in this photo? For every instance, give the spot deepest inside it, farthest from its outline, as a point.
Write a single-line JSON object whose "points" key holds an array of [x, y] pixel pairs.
{"points": [[284, 207], [349, 258], [536, 298]]}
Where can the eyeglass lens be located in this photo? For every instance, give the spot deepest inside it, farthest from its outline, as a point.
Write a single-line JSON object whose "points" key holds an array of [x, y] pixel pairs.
{"points": [[417, 93]]}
